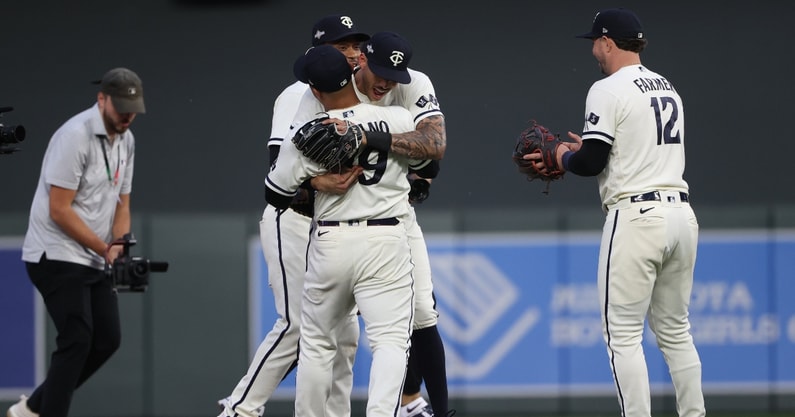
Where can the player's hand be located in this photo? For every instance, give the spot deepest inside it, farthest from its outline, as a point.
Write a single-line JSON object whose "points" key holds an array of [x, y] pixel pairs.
{"points": [[569, 146], [333, 183], [342, 126], [537, 160], [577, 144]]}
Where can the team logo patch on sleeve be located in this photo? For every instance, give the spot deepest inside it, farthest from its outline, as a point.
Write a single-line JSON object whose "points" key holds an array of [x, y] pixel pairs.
{"points": [[593, 119], [431, 99]]}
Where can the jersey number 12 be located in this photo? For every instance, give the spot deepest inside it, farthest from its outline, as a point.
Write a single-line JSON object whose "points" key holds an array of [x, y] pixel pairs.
{"points": [[664, 133]]}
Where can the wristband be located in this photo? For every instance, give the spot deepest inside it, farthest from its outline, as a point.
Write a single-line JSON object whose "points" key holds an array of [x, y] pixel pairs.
{"points": [[381, 141], [565, 159]]}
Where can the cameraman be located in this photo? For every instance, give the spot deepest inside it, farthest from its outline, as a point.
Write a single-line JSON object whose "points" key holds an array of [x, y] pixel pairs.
{"points": [[82, 204]]}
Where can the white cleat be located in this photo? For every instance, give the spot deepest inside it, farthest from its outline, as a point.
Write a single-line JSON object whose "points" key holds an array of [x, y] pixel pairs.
{"points": [[417, 408], [20, 409]]}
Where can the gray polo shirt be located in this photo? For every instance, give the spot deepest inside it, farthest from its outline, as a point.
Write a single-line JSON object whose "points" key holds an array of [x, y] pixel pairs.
{"points": [[75, 160]]}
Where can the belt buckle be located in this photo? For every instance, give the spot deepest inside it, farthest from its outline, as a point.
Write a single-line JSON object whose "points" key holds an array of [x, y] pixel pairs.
{"points": [[353, 222], [650, 196]]}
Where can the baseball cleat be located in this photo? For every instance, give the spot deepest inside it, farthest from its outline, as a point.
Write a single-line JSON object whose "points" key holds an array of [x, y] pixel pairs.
{"points": [[20, 409], [417, 408]]}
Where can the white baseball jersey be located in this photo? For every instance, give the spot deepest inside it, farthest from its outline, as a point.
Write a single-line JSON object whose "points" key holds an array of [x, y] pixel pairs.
{"points": [[640, 114], [352, 264], [650, 236], [284, 235], [418, 97], [383, 191], [284, 110]]}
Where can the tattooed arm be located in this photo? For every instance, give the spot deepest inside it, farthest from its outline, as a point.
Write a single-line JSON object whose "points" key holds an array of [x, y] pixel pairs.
{"points": [[427, 141]]}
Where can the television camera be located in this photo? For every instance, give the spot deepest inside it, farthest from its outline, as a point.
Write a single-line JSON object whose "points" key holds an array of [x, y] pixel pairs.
{"points": [[10, 135], [131, 273]]}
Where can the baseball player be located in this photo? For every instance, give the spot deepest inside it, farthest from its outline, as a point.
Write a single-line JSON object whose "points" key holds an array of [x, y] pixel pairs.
{"points": [[385, 79], [633, 141], [378, 83], [359, 254], [284, 235]]}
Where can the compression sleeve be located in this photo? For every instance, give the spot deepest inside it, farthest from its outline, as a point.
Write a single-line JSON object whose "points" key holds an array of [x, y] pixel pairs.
{"points": [[590, 160], [277, 200], [431, 170]]}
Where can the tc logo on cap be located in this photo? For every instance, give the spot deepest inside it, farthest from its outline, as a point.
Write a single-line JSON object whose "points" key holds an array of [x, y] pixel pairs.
{"points": [[396, 58], [346, 21]]}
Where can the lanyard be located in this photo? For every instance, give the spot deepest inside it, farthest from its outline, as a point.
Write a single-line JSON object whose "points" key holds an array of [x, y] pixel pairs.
{"points": [[115, 178]]}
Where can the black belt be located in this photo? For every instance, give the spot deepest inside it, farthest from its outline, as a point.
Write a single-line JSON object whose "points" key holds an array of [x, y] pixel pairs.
{"points": [[654, 196], [390, 221]]}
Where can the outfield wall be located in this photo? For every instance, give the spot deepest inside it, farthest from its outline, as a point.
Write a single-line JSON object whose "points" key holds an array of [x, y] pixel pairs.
{"points": [[516, 340]]}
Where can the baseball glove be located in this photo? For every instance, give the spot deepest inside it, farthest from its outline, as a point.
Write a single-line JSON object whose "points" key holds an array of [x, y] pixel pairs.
{"points": [[420, 190], [304, 200], [538, 139], [327, 146]]}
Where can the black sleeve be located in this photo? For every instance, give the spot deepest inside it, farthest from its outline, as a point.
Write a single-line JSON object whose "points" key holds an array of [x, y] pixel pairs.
{"points": [[277, 200], [590, 160], [271, 197], [428, 171], [273, 153]]}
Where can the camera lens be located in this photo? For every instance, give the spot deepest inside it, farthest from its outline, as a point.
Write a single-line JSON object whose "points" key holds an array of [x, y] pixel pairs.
{"points": [[139, 269], [12, 134]]}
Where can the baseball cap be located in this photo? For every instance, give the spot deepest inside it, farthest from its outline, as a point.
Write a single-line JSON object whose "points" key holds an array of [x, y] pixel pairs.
{"points": [[335, 27], [125, 90], [324, 68], [388, 55], [616, 23]]}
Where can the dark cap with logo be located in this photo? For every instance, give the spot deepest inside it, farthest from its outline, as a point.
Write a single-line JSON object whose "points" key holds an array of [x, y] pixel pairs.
{"points": [[336, 27], [388, 56], [323, 67], [617, 23], [125, 90]]}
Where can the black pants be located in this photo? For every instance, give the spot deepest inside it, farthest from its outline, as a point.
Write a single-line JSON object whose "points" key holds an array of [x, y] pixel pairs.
{"points": [[85, 310]]}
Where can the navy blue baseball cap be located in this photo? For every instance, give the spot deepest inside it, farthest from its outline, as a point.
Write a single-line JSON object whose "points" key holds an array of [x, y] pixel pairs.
{"points": [[388, 55], [336, 27], [617, 23], [323, 67]]}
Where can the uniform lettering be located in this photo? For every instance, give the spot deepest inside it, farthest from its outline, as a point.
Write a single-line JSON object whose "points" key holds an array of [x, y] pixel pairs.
{"points": [[376, 126], [646, 85]]}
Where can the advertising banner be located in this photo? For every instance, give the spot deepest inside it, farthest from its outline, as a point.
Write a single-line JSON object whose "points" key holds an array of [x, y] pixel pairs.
{"points": [[519, 314], [22, 324]]}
